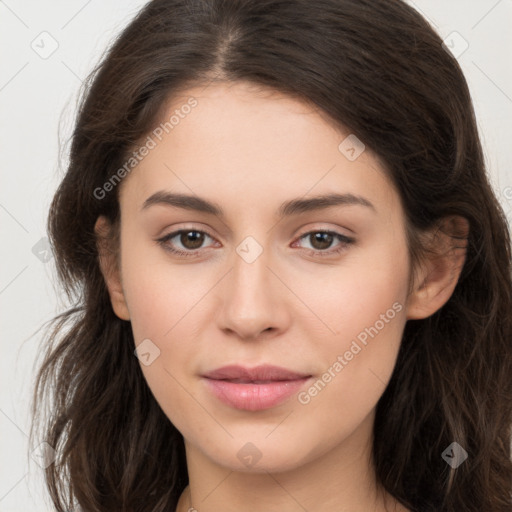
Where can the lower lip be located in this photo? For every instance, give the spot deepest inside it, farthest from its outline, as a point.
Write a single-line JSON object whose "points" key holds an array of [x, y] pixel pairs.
{"points": [[254, 397]]}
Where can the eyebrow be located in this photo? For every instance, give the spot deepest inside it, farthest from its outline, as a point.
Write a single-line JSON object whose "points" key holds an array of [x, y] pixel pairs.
{"points": [[288, 208]]}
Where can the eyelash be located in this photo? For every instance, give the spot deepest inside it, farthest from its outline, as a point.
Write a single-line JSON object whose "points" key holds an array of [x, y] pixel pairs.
{"points": [[345, 241]]}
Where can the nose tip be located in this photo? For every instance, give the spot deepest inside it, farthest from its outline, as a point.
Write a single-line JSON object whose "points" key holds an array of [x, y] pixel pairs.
{"points": [[247, 330]]}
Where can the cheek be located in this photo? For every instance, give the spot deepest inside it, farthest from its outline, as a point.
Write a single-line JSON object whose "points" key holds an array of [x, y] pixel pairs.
{"points": [[364, 308], [364, 295], [159, 293], [353, 379], [165, 301], [162, 305]]}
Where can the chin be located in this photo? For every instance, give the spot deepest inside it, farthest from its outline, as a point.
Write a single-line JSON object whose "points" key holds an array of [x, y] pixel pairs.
{"points": [[260, 456]]}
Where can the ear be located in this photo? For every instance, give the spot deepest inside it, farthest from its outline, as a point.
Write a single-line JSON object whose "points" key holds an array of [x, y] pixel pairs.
{"points": [[107, 255], [439, 273]]}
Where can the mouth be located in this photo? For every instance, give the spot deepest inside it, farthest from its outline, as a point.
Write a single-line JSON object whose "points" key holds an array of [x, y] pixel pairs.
{"points": [[246, 381], [261, 374], [254, 389]]}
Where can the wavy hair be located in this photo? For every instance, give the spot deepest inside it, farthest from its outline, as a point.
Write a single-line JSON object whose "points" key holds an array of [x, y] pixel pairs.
{"points": [[376, 68]]}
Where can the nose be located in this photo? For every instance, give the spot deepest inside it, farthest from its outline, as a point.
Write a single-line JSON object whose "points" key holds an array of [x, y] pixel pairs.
{"points": [[253, 300]]}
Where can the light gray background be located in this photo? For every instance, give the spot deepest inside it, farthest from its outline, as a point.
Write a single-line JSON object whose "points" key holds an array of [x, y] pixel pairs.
{"points": [[37, 95]]}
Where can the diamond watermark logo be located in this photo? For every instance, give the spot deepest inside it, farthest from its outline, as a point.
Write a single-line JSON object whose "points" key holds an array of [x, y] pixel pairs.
{"points": [[454, 455], [42, 250], [249, 455], [45, 45], [455, 44], [44, 455], [147, 352], [351, 147], [249, 249]]}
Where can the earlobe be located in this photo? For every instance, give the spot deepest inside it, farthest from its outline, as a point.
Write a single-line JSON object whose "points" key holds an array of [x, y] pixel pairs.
{"points": [[441, 268], [107, 256]]}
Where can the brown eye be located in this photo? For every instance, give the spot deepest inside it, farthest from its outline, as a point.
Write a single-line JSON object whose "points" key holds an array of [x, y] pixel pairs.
{"points": [[321, 241], [187, 243], [191, 239]]}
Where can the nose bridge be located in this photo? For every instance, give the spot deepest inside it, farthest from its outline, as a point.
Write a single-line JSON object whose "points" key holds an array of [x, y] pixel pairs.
{"points": [[250, 272], [251, 302], [250, 277]]}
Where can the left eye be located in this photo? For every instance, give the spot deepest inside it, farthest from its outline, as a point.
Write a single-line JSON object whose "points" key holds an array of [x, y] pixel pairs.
{"points": [[191, 241], [322, 240]]}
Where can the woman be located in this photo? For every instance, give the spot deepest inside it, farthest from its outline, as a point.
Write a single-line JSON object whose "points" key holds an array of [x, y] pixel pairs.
{"points": [[291, 277]]}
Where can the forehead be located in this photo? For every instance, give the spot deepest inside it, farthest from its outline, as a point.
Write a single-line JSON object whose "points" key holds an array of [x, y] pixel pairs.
{"points": [[242, 142]]}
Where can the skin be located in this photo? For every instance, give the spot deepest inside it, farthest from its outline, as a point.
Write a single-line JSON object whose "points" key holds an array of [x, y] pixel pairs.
{"points": [[248, 150]]}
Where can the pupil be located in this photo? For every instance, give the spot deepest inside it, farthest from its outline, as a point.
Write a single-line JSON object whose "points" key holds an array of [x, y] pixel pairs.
{"points": [[325, 240], [197, 240]]}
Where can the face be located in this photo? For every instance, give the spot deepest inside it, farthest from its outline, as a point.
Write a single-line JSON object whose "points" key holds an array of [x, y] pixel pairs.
{"points": [[315, 288]]}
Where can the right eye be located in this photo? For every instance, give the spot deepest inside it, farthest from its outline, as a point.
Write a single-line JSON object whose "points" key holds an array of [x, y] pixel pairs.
{"points": [[190, 239]]}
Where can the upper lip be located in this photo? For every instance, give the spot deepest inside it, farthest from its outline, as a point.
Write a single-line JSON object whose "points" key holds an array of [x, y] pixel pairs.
{"points": [[258, 373]]}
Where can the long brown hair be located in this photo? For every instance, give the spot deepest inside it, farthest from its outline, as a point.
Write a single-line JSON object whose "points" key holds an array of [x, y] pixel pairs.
{"points": [[377, 68]]}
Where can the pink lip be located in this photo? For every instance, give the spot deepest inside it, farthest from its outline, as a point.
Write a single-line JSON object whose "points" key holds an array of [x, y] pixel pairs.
{"points": [[254, 389]]}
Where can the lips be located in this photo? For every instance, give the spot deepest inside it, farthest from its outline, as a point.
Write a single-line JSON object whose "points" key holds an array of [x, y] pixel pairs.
{"points": [[263, 373], [256, 388]]}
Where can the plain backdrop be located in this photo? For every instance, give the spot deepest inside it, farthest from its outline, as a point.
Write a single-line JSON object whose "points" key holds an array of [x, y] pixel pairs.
{"points": [[48, 48]]}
